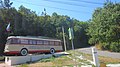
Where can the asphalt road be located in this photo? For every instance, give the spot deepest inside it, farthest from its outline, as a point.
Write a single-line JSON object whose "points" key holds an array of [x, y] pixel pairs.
{"points": [[88, 50]]}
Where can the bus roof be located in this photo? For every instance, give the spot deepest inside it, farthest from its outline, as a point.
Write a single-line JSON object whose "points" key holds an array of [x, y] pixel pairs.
{"points": [[33, 37]]}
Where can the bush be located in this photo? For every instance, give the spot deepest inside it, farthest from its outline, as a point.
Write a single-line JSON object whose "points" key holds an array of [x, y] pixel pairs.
{"points": [[113, 46]]}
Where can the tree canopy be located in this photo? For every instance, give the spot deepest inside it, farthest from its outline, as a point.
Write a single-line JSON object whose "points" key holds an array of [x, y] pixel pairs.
{"points": [[105, 26]]}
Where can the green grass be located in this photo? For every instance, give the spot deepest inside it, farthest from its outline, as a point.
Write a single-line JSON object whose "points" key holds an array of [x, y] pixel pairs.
{"points": [[51, 59], [24, 65], [57, 61], [1, 58], [102, 59], [75, 54], [66, 61]]}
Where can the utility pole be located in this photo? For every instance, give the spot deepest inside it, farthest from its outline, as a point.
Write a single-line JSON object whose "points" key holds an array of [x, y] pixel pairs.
{"points": [[64, 38], [72, 44]]}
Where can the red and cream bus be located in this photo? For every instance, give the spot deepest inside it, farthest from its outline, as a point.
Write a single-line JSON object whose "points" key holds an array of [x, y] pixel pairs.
{"points": [[24, 45]]}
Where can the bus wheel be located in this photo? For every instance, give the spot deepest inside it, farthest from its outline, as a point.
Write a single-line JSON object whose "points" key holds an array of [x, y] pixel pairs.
{"points": [[52, 50], [24, 52]]}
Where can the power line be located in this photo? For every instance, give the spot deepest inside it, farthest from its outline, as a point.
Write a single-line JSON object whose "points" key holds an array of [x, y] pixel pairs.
{"points": [[73, 4], [66, 3], [52, 7], [88, 2]]}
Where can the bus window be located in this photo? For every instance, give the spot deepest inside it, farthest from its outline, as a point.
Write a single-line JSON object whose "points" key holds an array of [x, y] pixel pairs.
{"points": [[30, 41], [51, 42], [14, 41], [46, 42], [34, 42], [60, 43], [40, 42], [9, 41], [19, 41], [23, 41], [56, 43]]}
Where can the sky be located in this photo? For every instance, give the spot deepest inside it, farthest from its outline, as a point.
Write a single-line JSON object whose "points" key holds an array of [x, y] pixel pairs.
{"points": [[78, 9]]}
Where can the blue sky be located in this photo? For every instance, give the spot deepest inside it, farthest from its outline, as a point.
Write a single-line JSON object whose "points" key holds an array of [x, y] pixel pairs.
{"points": [[79, 9]]}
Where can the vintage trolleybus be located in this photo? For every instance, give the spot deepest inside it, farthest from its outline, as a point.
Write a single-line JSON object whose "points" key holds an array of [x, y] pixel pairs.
{"points": [[23, 45]]}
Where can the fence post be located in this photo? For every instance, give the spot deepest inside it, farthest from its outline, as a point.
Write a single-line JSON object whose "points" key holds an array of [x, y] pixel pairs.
{"points": [[95, 57]]}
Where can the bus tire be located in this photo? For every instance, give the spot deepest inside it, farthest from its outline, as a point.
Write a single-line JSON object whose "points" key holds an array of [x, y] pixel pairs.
{"points": [[24, 52], [52, 50]]}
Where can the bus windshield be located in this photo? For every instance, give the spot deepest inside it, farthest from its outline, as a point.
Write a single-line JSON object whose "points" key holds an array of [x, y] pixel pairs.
{"points": [[9, 41]]}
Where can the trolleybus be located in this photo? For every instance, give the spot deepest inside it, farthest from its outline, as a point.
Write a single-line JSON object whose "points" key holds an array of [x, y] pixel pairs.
{"points": [[24, 45]]}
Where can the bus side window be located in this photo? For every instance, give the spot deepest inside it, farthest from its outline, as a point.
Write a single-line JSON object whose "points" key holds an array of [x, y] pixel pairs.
{"points": [[23, 41], [51, 42], [19, 41], [60, 43], [56, 43], [14, 41], [9, 41], [40, 42], [34, 42], [46, 42], [30, 41]]}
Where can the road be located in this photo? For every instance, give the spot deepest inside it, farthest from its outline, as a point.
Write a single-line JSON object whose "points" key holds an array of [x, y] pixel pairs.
{"points": [[100, 53]]}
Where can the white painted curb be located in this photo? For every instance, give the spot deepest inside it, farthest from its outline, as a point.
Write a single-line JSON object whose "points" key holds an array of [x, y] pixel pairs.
{"points": [[14, 60]]}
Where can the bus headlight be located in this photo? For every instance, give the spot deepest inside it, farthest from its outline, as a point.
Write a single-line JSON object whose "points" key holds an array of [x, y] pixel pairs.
{"points": [[6, 49]]}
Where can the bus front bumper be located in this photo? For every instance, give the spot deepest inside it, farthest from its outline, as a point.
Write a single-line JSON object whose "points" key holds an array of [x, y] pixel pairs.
{"points": [[11, 52]]}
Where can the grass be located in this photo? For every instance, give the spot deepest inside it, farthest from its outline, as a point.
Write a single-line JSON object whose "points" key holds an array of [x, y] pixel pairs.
{"points": [[51, 59], [109, 60], [69, 62], [1, 58], [102, 59], [75, 54], [23, 65], [64, 61], [53, 62], [58, 62]]}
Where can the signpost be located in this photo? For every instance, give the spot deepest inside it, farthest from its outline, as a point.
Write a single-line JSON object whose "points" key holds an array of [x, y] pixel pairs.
{"points": [[71, 36]]}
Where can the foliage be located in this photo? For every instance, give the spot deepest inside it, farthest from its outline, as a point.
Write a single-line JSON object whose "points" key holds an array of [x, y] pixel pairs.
{"points": [[105, 26], [23, 65], [51, 59], [25, 22], [2, 58]]}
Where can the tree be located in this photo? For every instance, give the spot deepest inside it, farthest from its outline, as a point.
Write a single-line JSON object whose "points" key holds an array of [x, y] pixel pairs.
{"points": [[104, 27]]}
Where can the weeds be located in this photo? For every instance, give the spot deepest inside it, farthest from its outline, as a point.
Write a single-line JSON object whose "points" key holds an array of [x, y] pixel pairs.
{"points": [[51, 59], [23, 65]]}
